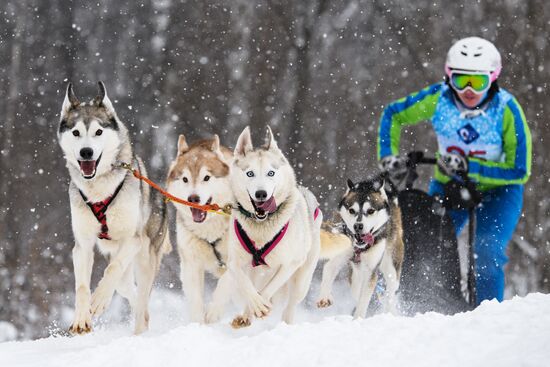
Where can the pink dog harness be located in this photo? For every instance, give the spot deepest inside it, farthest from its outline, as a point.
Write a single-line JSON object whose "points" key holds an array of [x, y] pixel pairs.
{"points": [[259, 254]]}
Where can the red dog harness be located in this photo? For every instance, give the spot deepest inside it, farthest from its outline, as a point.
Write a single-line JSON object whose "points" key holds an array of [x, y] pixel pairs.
{"points": [[99, 210], [259, 254]]}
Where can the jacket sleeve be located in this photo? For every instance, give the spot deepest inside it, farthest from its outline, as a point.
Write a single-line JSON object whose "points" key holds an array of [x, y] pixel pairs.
{"points": [[516, 167], [405, 111]]}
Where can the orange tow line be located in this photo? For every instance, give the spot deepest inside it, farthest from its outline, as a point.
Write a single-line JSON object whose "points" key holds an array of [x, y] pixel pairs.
{"points": [[211, 208]]}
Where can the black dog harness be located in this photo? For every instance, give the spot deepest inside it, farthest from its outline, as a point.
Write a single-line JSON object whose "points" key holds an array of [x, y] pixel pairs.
{"points": [[221, 264], [99, 210]]}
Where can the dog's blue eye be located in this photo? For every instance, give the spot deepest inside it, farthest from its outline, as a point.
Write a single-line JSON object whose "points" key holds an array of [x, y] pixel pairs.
{"points": [[76, 133], [271, 173], [250, 174]]}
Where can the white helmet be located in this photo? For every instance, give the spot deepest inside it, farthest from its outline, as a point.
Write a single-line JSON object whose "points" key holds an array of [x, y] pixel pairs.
{"points": [[474, 54]]}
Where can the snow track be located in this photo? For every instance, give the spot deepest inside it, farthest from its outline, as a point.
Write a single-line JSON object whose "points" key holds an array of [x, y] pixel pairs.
{"points": [[513, 333]]}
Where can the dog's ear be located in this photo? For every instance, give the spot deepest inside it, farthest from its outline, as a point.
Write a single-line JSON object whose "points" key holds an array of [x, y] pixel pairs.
{"points": [[270, 142], [215, 143], [244, 143], [377, 183], [350, 184], [182, 145], [70, 100], [102, 99]]}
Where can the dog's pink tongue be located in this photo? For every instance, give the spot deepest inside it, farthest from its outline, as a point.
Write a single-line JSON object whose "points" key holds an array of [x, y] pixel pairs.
{"points": [[268, 206], [198, 215], [88, 167], [368, 238]]}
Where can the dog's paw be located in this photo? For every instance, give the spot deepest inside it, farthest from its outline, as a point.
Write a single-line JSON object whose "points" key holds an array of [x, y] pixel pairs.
{"points": [[213, 314], [240, 322], [82, 323], [260, 306], [101, 298], [324, 303]]}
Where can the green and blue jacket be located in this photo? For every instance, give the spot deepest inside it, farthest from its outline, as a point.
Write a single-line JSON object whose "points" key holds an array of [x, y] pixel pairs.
{"points": [[496, 138]]}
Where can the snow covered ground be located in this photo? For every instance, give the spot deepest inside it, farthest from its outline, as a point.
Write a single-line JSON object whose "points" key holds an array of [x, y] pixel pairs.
{"points": [[513, 333]]}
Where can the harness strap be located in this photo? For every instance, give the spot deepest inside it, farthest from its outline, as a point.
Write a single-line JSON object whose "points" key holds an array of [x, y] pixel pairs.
{"points": [[221, 264], [99, 210], [316, 213], [258, 255], [244, 212]]}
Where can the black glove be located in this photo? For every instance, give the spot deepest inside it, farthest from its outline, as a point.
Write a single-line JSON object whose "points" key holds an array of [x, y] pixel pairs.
{"points": [[453, 165]]}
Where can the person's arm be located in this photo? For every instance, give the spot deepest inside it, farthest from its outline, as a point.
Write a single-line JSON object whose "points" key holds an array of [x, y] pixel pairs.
{"points": [[405, 111], [516, 167]]}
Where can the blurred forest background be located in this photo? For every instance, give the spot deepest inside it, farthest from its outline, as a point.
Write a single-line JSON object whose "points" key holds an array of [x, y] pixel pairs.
{"points": [[318, 71]]}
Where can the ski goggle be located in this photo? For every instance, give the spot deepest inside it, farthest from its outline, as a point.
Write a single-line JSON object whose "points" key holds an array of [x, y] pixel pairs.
{"points": [[478, 82]]}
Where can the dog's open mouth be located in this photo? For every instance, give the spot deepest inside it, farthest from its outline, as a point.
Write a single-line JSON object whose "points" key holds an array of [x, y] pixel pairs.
{"points": [[264, 208], [88, 168], [365, 238], [199, 216]]}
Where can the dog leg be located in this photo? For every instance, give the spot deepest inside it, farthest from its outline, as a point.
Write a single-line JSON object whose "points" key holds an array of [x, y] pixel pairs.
{"points": [[127, 287], [83, 260], [192, 279], [282, 275], [301, 281], [356, 281], [221, 296], [111, 276], [147, 266], [370, 277], [258, 304], [330, 271], [392, 283]]}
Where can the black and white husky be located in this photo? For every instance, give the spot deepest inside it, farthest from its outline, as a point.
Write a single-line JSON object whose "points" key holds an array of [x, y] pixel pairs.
{"points": [[374, 222], [110, 209]]}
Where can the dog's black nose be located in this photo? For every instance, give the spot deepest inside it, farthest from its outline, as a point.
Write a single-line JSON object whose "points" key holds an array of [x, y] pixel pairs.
{"points": [[194, 199], [86, 153], [358, 227], [261, 195]]}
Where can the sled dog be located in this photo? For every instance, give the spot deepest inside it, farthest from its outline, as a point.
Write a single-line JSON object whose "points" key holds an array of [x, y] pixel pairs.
{"points": [[200, 174], [110, 209], [373, 221], [274, 239]]}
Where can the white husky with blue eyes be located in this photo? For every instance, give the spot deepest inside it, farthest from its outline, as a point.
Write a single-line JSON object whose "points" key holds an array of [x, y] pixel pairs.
{"points": [[274, 235]]}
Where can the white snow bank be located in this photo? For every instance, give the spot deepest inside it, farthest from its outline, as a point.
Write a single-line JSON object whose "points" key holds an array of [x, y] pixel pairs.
{"points": [[512, 333]]}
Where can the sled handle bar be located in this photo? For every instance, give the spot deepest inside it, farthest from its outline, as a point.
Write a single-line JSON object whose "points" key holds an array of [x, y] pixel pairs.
{"points": [[417, 157]]}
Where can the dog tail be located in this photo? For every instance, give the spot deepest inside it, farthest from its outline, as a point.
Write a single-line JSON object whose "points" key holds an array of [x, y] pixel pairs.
{"points": [[333, 243], [157, 227]]}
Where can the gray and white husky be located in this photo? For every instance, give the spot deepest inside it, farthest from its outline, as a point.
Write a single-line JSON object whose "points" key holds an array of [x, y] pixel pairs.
{"points": [[200, 174], [274, 236], [110, 209], [373, 221]]}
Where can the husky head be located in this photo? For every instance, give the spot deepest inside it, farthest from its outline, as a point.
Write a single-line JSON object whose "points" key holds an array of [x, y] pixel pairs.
{"points": [[261, 178], [396, 168], [90, 134], [365, 209], [200, 174]]}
